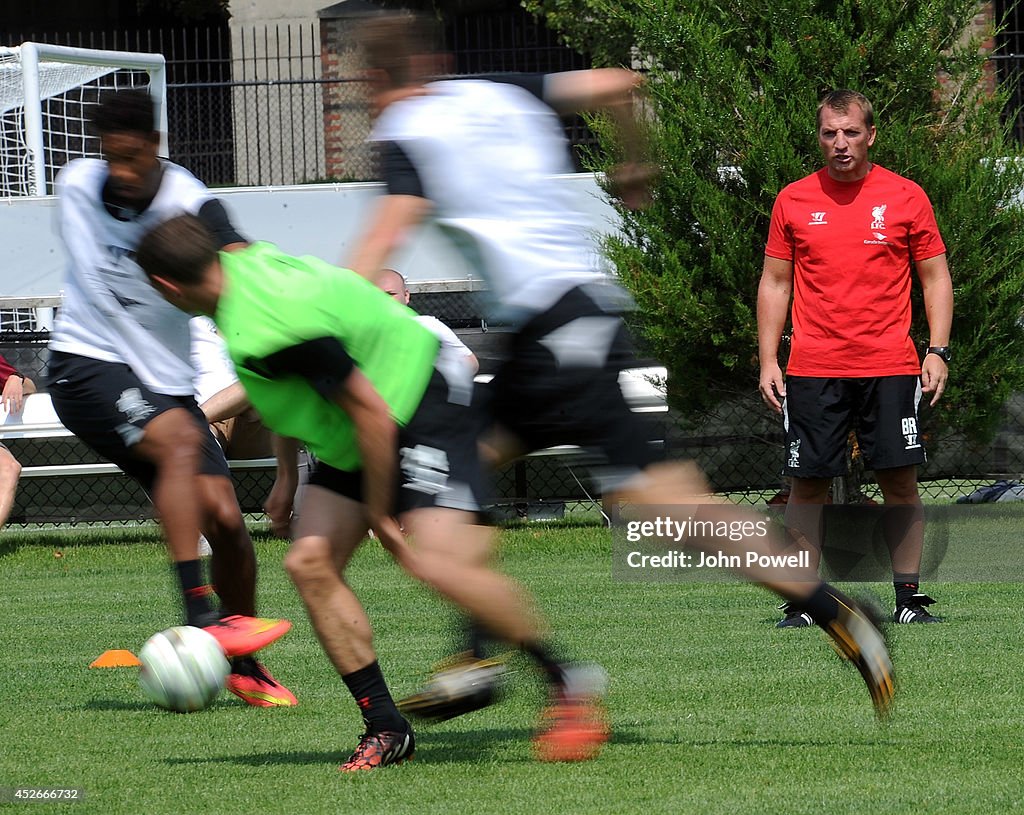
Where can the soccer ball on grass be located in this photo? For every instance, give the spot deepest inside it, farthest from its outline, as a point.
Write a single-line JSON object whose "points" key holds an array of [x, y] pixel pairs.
{"points": [[183, 669]]}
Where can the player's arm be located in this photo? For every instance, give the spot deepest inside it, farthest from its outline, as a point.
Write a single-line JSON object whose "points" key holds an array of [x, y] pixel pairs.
{"points": [[773, 294], [326, 365], [377, 437], [394, 216], [280, 503], [937, 288], [612, 91], [225, 403]]}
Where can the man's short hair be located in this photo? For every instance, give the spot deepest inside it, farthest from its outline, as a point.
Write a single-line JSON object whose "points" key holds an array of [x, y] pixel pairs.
{"points": [[396, 44], [131, 110], [180, 249], [840, 101]]}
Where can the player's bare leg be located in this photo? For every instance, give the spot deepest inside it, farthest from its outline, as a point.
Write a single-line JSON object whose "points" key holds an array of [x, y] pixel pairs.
{"points": [[451, 554], [233, 560], [327, 533], [804, 520], [233, 572], [10, 472], [903, 521]]}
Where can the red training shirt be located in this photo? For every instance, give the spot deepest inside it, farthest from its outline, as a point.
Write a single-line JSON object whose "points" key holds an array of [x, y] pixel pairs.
{"points": [[851, 245], [6, 370]]}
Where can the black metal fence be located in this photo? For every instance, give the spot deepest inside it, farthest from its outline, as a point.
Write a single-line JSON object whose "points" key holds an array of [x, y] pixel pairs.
{"points": [[246, 104], [1009, 60]]}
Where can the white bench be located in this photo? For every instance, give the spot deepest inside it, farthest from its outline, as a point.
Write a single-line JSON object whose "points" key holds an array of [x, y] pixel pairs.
{"points": [[38, 420]]}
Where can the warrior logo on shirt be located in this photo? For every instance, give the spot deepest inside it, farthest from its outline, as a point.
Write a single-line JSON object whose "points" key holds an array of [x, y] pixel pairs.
{"points": [[817, 218], [878, 217]]}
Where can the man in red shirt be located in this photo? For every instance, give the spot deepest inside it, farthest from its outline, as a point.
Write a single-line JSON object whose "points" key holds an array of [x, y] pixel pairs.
{"points": [[842, 243], [15, 387]]}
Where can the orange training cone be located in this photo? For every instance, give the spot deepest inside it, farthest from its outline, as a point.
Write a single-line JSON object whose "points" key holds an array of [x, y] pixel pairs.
{"points": [[116, 659]]}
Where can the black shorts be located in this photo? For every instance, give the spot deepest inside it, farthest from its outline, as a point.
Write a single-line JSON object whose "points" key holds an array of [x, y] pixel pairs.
{"points": [[106, 406], [560, 385], [819, 413], [437, 460]]}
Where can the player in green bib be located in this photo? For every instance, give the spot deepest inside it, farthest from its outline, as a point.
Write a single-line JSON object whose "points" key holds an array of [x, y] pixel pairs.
{"points": [[282, 314], [327, 358]]}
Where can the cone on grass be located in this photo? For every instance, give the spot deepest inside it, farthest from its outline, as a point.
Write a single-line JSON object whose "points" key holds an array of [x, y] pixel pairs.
{"points": [[116, 659]]}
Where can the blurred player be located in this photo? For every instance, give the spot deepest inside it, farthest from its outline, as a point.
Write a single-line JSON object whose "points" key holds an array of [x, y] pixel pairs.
{"points": [[327, 358], [121, 381], [393, 282], [479, 157]]}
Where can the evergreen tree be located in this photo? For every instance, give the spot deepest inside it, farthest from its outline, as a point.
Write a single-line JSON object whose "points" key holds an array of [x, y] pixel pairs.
{"points": [[733, 89]]}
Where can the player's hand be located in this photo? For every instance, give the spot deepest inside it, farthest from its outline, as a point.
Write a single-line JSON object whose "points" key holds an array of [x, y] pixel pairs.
{"points": [[14, 394], [389, 533], [279, 507], [772, 386], [631, 182], [934, 373]]}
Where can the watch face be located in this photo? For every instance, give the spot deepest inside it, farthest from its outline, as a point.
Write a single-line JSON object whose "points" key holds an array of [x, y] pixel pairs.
{"points": [[942, 352]]}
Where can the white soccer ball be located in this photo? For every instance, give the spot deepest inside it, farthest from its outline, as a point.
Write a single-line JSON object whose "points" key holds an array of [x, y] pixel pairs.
{"points": [[183, 668]]}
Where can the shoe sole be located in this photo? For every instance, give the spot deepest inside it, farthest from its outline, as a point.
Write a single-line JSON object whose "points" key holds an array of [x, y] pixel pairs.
{"points": [[872, 660], [461, 697], [799, 622], [395, 763], [428, 709]]}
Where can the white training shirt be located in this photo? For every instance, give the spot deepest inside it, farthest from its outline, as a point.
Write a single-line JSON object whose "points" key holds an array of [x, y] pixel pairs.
{"points": [[110, 311], [486, 154], [450, 342], [213, 370]]}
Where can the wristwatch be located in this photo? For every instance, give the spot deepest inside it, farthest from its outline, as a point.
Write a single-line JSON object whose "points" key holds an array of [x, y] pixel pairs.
{"points": [[941, 351]]}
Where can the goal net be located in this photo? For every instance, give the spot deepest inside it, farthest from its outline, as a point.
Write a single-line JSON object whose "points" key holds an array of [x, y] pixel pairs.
{"points": [[46, 92]]}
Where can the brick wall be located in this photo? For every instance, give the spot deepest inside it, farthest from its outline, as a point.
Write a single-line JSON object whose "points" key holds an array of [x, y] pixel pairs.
{"points": [[345, 111]]}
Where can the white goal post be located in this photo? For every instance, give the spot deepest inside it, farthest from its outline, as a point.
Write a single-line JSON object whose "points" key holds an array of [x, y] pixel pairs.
{"points": [[45, 95]]}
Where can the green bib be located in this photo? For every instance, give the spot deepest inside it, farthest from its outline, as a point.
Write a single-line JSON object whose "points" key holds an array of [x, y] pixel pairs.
{"points": [[272, 301]]}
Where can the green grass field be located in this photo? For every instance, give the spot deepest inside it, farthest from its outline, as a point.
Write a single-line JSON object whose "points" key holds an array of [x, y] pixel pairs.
{"points": [[714, 710]]}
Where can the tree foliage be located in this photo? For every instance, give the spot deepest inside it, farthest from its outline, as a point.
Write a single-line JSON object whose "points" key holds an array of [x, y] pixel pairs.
{"points": [[732, 90]]}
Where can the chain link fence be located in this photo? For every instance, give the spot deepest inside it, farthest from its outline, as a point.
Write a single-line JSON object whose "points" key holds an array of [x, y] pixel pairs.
{"points": [[739, 445]]}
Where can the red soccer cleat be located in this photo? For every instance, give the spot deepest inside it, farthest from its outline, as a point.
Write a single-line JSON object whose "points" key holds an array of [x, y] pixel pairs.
{"points": [[576, 722], [240, 636], [251, 682]]}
